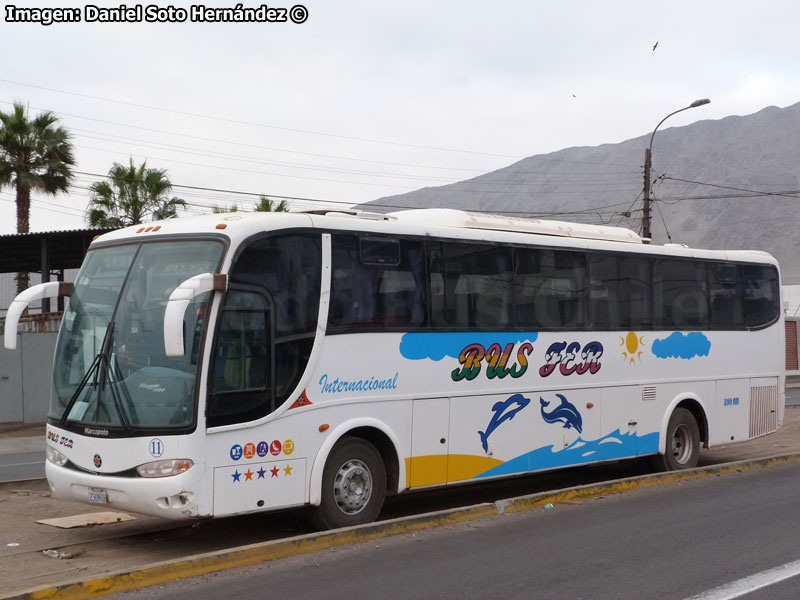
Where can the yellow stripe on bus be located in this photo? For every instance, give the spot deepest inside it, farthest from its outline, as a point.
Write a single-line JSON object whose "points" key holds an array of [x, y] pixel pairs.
{"points": [[440, 468]]}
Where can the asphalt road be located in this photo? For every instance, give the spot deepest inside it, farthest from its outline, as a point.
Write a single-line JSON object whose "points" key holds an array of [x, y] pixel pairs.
{"points": [[22, 465], [678, 541]]}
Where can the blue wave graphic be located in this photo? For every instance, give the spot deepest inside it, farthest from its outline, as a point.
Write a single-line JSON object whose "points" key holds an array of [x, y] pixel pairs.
{"points": [[435, 346], [682, 345], [613, 446]]}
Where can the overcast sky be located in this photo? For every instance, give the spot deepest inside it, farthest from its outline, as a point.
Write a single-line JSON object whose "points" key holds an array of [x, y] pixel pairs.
{"points": [[365, 100]]}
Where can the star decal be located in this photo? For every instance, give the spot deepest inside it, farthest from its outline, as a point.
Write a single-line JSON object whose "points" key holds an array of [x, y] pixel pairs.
{"points": [[288, 470], [236, 476], [274, 471], [261, 472], [248, 476]]}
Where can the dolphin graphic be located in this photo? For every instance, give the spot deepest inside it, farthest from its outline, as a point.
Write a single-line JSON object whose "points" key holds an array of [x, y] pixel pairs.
{"points": [[503, 411], [565, 413]]}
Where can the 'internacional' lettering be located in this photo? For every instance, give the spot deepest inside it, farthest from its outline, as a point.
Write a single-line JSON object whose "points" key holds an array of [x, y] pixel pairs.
{"points": [[339, 386]]}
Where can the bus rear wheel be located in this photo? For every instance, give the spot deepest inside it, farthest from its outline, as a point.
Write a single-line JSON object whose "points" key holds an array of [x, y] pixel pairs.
{"points": [[353, 486], [683, 443]]}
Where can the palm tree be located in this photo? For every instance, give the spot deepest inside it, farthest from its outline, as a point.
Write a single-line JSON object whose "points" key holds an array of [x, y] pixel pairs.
{"points": [[267, 205], [35, 154], [130, 196]]}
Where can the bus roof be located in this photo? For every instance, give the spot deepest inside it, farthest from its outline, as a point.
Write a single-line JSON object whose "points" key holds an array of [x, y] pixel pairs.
{"points": [[448, 217], [424, 217], [427, 221]]}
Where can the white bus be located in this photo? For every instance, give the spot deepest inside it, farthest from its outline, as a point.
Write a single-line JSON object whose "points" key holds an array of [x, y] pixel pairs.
{"points": [[229, 364]]}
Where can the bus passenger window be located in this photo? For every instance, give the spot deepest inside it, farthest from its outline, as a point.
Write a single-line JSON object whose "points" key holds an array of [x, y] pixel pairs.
{"points": [[550, 289], [681, 292], [761, 295], [635, 293], [726, 296], [377, 284], [470, 286], [604, 282]]}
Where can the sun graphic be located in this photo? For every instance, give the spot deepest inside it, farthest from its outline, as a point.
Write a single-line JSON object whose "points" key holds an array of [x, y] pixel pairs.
{"points": [[632, 343]]}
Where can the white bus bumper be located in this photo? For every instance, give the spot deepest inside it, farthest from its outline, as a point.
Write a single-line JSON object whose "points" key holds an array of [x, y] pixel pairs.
{"points": [[171, 497]]}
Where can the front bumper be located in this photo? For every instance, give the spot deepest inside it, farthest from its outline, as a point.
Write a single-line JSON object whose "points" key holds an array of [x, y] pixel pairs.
{"points": [[175, 497]]}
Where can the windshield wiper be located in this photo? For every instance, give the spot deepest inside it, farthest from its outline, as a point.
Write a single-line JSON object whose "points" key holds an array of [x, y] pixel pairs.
{"points": [[100, 371]]}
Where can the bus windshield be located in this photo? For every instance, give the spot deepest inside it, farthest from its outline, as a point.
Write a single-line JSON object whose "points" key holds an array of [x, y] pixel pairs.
{"points": [[110, 366]]}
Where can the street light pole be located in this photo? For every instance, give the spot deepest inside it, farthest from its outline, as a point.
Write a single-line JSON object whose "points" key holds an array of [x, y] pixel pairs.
{"points": [[648, 164]]}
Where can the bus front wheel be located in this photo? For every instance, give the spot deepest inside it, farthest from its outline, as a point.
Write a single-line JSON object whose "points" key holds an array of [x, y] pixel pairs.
{"points": [[683, 443], [353, 486]]}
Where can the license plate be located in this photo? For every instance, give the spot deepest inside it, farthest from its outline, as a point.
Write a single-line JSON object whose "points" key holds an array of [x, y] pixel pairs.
{"points": [[98, 496]]}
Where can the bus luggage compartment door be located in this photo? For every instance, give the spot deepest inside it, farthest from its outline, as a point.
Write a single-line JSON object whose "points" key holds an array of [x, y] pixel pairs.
{"points": [[429, 442]]}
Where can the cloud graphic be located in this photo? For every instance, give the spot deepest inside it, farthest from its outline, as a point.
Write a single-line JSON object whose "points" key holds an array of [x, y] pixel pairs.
{"points": [[435, 346], [682, 345]]}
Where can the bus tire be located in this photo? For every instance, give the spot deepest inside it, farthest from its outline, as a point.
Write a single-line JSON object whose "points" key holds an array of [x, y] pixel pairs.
{"points": [[353, 486], [683, 443]]}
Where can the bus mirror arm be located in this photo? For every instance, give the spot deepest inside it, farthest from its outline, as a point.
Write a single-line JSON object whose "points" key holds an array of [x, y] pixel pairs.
{"points": [[51, 289], [178, 302]]}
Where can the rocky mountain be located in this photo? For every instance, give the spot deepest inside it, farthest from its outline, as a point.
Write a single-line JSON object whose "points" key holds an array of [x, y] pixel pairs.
{"points": [[732, 183]]}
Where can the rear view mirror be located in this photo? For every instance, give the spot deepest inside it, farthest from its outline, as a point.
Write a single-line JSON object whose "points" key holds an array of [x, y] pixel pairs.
{"points": [[178, 302], [51, 289]]}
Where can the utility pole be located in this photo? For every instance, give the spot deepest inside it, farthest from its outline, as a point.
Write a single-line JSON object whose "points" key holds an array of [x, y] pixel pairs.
{"points": [[648, 152], [646, 197]]}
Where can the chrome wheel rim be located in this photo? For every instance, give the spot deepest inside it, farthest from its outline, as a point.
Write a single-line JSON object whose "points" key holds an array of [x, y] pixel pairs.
{"points": [[352, 487], [682, 445]]}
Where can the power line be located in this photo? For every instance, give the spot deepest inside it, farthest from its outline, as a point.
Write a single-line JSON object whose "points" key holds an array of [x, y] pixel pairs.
{"points": [[539, 159], [254, 124], [450, 188], [485, 180], [585, 211], [788, 194], [243, 144]]}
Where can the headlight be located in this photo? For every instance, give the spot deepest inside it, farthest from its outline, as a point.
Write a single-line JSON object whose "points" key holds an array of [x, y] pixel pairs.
{"points": [[164, 468], [55, 457]]}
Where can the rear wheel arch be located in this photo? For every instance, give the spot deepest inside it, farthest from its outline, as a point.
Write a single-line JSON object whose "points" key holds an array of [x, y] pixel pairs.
{"points": [[699, 414], [695, 406], [684, 432]]}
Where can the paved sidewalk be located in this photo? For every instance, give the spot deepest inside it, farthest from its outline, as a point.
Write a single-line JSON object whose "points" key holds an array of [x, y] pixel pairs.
{"points": [[15, 439], [103, 549]]}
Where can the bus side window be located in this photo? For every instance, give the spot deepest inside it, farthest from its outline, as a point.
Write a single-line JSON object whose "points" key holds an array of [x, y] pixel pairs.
{"points": [[470, 285], [286, 268], [441, 313], [352, 286], [604, 284], [239, 382], [377, 284], [635, 293], [681, 292], [528, 280], [726, 296], [550, 286], [761, 295]]}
